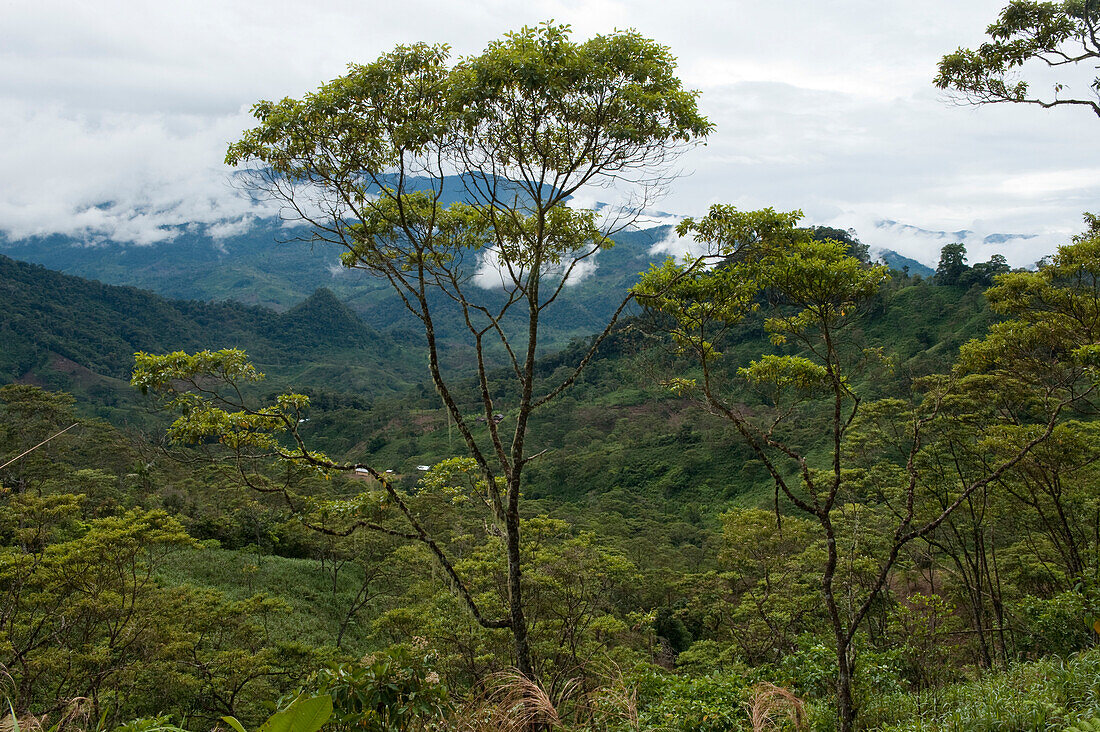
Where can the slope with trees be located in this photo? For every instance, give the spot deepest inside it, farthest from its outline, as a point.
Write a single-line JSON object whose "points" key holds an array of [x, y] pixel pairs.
{"points": [[873, 470]]}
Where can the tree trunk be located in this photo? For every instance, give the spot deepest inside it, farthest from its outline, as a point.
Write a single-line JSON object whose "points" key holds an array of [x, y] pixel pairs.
{"points": [[520, 641], [846, 711]]}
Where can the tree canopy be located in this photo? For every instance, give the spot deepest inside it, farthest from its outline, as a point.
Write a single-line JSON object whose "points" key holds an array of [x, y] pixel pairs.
{"points": [[1060, 36]]}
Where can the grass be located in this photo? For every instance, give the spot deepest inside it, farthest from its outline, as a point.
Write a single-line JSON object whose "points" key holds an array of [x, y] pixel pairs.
{"points": [[314, 610], [1048, 694]]}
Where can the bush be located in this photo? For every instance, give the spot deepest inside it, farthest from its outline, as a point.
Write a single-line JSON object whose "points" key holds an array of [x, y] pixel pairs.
{"points": [[389, 691], [713, 703]]}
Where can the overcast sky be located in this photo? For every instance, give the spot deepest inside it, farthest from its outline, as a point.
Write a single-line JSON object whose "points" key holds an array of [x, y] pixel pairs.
{"points": [[115, 116]]}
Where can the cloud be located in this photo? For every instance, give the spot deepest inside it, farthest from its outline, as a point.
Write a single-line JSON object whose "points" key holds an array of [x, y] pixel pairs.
{"points": [[847, 161], [120, 176], [680, 246], [924, 245], [116, 114], [493, 272]]}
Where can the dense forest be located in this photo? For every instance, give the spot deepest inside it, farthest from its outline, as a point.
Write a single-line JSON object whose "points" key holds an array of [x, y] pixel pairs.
{"points": [[209, 598], [773, 484]]}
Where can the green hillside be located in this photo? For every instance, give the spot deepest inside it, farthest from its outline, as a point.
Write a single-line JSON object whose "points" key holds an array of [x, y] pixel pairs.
{"points": [[264, 267], [75, 334]]}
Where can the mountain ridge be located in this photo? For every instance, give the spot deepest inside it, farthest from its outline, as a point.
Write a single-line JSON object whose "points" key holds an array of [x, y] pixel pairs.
{"points": [[73, 333]]}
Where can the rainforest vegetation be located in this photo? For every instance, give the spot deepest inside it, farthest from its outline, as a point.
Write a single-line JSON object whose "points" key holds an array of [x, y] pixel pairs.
{"points": [[778, 485]]}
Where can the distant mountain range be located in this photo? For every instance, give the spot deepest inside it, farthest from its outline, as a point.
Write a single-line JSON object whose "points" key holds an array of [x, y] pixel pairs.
{"points": [[266, 267], [949, 236], [263, 267], [70, 333]]}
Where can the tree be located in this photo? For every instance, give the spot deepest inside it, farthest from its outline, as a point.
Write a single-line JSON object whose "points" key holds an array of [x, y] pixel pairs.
{"points": [[1042, 359], [984, 273], [952, 264], [853, 246], [1056, 35], [83, 615], [452, 183], [816, 290], [764, 595], [32, 428]]}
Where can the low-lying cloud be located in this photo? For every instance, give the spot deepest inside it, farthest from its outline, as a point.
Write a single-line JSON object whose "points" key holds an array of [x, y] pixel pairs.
{"points": [[115, 118], [124, 177]]}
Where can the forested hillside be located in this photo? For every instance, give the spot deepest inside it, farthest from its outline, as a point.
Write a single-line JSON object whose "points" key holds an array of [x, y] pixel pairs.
{"points": [[267, 266], [78, 335], [617, 426], [511, 471], [644, 488]]}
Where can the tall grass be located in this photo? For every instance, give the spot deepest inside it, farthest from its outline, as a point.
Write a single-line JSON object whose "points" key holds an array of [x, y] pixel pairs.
{"points": [[313, 611], [1049, 694], [509, 702]]}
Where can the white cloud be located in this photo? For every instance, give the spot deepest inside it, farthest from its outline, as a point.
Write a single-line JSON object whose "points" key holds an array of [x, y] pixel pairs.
{"points": [[116, 114], [121, 176], [680, 247], [924, 245], [493, 272]]}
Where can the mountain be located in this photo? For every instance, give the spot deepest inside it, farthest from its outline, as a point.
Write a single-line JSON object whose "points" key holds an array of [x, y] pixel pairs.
{"points": [[960, 235], [901, 263], [266, 267], [260, 267], [271, 265], [76, 334]]}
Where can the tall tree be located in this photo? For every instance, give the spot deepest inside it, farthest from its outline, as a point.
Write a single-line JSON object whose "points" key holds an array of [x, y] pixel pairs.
{"points": [[952, 264], [370, 161], [1059, 36]]}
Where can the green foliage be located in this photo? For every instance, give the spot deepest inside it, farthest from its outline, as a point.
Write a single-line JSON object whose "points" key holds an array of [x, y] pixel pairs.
{"points": [[953, 270], [86, 612], [640, 103], [80, 597], [713, 703], [785, 374], [1054, 315], [811, 669], [205, 417], [1085, 725], [1027, 34], [1051, 694], [579, 595], [149, 724], [387, 691], [928, 629], [304, 714], [37, 427], [952, 264], [983, 274], [765, 594], [762, 252], [1059, 625]]}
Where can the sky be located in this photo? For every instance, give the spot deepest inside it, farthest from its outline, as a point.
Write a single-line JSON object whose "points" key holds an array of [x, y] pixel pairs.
{"points": [[115, 115]]}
